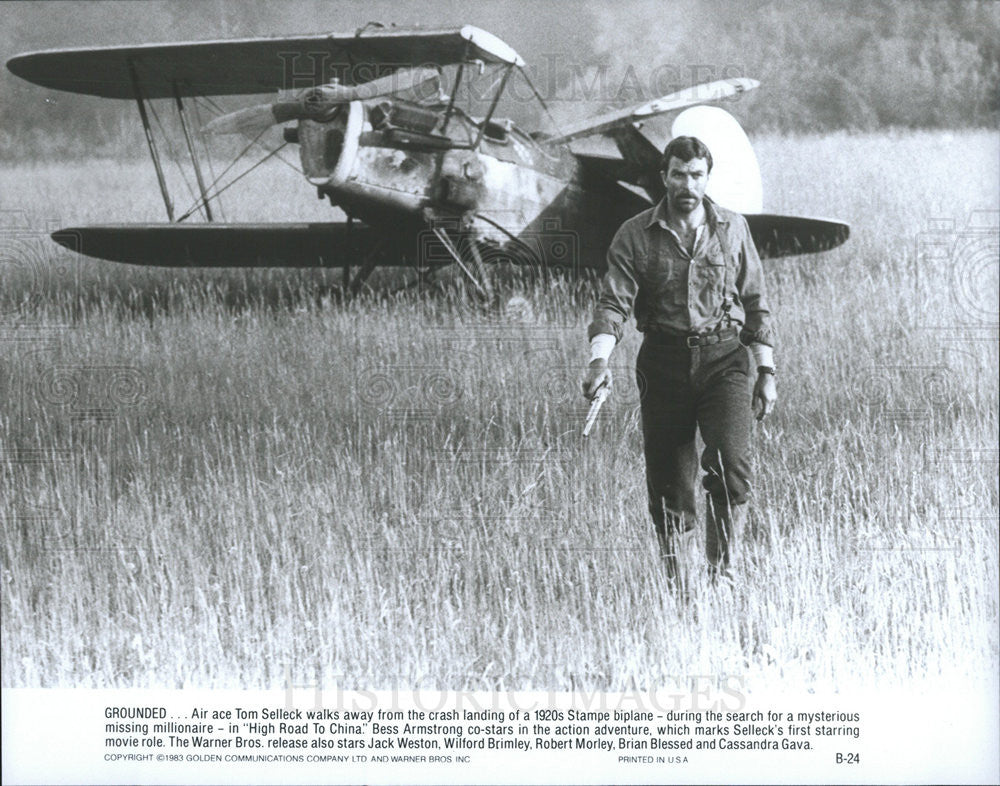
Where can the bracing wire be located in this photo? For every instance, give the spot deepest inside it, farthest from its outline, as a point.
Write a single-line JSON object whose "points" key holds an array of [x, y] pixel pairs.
{"points": [[170, 149], [541, 101], [208, 153], [232, 182], [223, 174]]}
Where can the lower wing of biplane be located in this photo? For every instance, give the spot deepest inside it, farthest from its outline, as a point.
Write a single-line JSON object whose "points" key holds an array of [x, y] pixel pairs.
{"points": [[379, 138], [223, 245]]}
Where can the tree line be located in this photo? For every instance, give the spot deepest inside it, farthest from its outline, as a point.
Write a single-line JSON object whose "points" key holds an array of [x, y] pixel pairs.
{"points": [[824, 64]]}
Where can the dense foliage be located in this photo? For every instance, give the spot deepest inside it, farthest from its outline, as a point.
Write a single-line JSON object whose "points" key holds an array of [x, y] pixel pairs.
{"points": [[823, 65]]}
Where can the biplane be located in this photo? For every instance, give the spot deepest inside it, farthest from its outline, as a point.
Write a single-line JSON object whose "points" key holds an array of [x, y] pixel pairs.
{"points": [[422, 182]]}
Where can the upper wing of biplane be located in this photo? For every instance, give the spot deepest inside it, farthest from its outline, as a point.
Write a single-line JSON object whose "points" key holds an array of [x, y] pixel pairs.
{"points": [[619, 118], [246, 66]]}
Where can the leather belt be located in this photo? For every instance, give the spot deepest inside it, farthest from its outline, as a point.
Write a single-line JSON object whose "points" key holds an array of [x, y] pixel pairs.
{"points": [[703, 340]]}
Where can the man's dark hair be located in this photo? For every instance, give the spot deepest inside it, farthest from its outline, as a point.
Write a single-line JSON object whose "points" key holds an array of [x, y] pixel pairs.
{"points": [[685, 148]]}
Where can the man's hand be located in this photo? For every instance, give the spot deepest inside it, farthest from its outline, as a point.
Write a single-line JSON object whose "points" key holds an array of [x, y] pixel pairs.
{"points": [[596, 375], [765, 394]]}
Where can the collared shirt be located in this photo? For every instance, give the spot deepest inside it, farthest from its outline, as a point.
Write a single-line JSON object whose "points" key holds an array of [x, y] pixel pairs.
{"points": [[673, 291]]}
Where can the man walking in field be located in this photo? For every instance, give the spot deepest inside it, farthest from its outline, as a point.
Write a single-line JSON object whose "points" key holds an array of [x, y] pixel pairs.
{"points": [[690, 270]]}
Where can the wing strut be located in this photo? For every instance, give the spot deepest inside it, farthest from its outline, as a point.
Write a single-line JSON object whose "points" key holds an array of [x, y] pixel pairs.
{"points": [[493, 106], [150, 141], [194, 157], [454, 91]]}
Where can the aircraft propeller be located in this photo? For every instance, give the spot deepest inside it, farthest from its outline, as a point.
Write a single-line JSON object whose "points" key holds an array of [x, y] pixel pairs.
{"points": [[320, 103]]}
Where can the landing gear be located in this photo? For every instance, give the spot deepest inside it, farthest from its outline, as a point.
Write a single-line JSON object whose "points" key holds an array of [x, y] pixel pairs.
{"points": [[470, 262], [369, 264]]}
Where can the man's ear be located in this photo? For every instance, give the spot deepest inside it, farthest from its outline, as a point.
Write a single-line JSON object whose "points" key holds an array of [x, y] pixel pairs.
{"points": [[663, 177]]}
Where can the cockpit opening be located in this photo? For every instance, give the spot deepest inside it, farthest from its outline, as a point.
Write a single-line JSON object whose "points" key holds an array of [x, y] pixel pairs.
{"points": [[395, 114], [498, 130]]}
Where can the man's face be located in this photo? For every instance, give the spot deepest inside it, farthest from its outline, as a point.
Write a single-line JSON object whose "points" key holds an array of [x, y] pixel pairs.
{"points": [[685, 182]]}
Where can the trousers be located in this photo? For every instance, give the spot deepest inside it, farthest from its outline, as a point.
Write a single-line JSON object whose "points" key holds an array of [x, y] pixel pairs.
{"points": [[682, 389]]}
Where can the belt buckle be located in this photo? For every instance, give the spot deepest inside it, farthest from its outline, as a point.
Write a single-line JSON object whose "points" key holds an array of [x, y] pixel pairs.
{"points": [[692, 341]]}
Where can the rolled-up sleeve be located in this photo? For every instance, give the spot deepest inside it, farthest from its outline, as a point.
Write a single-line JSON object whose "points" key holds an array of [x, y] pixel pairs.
{"points": [[619, 287], [759, 326]]}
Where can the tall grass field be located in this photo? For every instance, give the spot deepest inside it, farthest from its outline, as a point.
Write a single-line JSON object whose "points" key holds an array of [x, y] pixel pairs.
{"points": [[225, 478]]}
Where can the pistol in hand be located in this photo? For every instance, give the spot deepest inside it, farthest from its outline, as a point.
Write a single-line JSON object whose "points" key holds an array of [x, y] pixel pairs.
{"points": [[595, 406]]}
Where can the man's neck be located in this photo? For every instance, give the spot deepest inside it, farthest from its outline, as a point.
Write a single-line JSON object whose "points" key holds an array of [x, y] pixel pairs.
{"points": [[685, 222]]}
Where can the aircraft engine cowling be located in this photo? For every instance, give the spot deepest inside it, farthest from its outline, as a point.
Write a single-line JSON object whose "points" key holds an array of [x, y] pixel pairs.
{"points": [[328, 148]]}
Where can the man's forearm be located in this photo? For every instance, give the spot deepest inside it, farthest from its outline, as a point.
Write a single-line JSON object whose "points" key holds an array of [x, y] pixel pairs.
{"points": [[763, 355], [601, 346]]}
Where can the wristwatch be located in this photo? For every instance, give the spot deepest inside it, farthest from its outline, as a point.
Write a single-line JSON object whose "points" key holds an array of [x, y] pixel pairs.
{"points": [[765, 370]]}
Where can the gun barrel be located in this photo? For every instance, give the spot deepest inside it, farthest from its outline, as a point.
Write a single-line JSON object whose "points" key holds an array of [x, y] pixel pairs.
{"points": [[595, 407]]}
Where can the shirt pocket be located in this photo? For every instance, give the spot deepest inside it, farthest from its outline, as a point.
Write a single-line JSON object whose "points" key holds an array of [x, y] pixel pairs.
{"points": [[658, 277], [710, 270], [668, 279]]}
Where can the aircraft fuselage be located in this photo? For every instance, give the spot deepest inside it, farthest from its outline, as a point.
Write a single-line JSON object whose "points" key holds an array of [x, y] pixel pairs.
{"points": [[388, 163]]}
